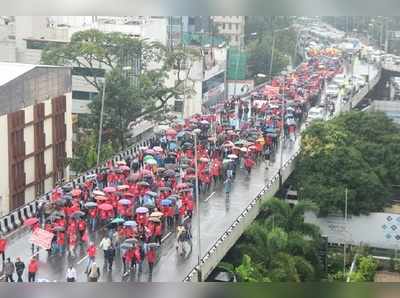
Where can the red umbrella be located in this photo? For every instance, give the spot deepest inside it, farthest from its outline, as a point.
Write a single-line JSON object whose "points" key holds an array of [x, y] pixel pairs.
{"points": [[150, 152], [101, 198], [181, 185], [105, 207], [109, 189], [128, 194], [170, 132], [31, 221], [147, 173], [125, 168], [76, 192]]}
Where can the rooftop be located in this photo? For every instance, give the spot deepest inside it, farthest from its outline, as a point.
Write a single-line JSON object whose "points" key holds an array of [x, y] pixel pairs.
{"points": [[11, 71]]}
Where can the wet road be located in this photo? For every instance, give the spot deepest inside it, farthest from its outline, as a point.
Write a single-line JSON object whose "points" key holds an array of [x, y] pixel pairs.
{"points": [[216, 215]]}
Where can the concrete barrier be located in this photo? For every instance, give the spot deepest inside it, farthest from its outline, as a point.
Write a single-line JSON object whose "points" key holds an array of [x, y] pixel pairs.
{"points": [[8, 223], [27, 210], [15, 219], [22, 213], [3, 227]]}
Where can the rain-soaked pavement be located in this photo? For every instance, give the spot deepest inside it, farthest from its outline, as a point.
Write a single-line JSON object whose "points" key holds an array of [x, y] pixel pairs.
{"points": [[216, 215]]}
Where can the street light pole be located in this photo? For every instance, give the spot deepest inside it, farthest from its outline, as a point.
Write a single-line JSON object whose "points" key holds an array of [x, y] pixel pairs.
{"points": [[199, 277], [282, 133], [101, 123], [272, 55], [345, 234]]}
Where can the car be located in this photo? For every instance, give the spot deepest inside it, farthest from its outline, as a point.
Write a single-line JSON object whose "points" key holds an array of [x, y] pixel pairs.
{"points": [[332, 91], [357, 82], [315, 113], [339, 79]]}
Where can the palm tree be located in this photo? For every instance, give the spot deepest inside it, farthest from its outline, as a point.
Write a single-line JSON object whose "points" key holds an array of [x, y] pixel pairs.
{"points": [[247, 271], [291, 219]]}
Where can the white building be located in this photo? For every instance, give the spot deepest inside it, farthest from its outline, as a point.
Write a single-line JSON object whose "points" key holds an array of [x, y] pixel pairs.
{"points": [[231, 26], [36, 130], [24, 39]]}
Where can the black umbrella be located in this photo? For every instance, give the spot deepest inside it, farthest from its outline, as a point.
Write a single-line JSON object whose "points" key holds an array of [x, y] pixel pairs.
{"points": [[169, 173], [126, 245], [131, 240], [78, 214], [164, 188], [143, 183], [67, 188], [60, 202], [59, 229]]}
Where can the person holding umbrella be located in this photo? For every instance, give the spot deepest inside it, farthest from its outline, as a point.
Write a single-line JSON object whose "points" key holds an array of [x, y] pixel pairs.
{"points": [[228, 186], [91, 253], [151, 259]]}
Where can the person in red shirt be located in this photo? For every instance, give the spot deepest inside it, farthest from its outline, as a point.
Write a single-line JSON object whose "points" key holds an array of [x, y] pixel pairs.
{"points": [[216, 171], [158, 233], [127, 260], [81, 228], [248, 164], [33, 268], [3, 244], [92, 218], [151, 259], [91, 252]]}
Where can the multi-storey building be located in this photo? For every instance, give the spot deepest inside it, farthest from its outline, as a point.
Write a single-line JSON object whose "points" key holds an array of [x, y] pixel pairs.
{"points": [[232, 27], [36, 130]]}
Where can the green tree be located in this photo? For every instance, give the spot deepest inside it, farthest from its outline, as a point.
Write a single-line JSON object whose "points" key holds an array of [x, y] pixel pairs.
{"points": [[367, 267], [129, 94], [247, 271], [85, 153], [357, 151], [282, 244]]}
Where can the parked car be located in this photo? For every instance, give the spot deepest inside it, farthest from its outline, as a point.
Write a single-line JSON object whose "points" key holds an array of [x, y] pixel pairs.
{"points": [[315, 113], [332, 91], [339, 79]]}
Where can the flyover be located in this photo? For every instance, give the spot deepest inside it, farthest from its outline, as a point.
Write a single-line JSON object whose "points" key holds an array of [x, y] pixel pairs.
{"points": [[222, 221]]}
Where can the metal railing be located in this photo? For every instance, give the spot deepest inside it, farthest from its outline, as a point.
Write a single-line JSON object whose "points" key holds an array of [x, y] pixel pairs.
{"points": [[241, 218]]}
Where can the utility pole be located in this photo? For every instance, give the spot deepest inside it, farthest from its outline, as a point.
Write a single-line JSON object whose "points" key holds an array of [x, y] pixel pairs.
{"points": [[199, 277], [101, 122], [272, 55], [345, 233]]}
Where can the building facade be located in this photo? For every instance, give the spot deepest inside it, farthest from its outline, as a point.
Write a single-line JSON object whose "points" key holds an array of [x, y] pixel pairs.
{"points": [[232, 27], [24, 39], [36, 128]]}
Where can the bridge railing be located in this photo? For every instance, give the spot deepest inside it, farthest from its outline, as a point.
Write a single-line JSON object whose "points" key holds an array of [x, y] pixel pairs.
{"points": [[224, 242]]}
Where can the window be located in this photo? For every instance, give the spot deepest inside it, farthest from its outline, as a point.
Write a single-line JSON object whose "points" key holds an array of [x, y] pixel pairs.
{"points": [[223, 26], [88, 72], [213, 82], [230, 26], [36, 44], [84, 95], [40, 44]]}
